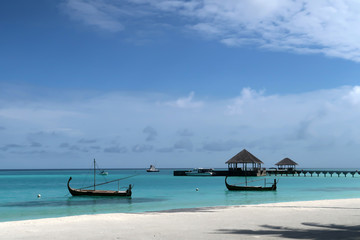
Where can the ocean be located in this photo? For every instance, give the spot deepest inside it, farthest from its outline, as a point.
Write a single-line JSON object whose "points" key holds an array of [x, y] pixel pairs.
{"points": [[160, 191]]}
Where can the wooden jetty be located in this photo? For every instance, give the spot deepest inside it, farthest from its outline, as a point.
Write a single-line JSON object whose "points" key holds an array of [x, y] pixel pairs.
{"points": [[279, 172], [246, 164], [230, 172], [311, 172]]}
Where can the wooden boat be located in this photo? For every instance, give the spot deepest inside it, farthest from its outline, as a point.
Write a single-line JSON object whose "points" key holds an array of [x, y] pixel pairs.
{"points": [[95, 192], [200, 172], [250, 188], [152, 169]]}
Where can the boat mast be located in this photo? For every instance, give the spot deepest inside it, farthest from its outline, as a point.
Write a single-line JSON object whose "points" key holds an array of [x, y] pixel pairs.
{"points": [[246, 175], [94, 174]]}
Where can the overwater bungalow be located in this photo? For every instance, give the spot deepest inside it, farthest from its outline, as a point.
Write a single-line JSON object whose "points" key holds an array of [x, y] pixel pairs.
{"points": [[242, 164], [249, 164], [286, 164]]}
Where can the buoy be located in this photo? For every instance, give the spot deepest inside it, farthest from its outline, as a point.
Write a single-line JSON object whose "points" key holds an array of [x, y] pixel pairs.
{"points": [[197, 189], [39, 195]]}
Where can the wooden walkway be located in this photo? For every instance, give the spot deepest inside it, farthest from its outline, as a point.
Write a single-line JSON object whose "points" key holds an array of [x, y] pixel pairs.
{"points": [[305, 172]]}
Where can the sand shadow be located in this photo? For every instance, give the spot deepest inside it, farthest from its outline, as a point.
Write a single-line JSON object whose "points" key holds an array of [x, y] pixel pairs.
{"points": [[312, 231]]}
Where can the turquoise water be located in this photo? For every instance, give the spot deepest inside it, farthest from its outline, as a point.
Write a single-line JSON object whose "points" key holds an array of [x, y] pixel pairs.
{"points": [[151, 192]]}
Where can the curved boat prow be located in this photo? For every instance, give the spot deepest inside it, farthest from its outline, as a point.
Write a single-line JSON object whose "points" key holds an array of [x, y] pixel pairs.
{"points": [[274, 185], [68, 183], [226, 181], [128, 191], [70, 178]]}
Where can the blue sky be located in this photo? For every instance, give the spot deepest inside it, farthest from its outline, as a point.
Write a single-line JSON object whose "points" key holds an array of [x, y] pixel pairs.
{"points": [[178, 83]]}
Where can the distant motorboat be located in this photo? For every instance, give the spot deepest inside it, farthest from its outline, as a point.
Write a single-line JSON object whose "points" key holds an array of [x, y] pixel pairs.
{"points": [[103, 172], [152, 169], [200, 172]]}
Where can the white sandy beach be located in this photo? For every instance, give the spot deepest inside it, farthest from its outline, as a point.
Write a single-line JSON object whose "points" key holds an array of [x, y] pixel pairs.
{"points": [[327, 219]]}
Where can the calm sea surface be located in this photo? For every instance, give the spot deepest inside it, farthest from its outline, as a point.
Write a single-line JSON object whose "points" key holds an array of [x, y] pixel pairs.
{"points": [[151, 192]]}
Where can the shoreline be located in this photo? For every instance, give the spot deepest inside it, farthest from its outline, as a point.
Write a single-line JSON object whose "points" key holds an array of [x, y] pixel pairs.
{"points": [[175, 210], [325, 219]]}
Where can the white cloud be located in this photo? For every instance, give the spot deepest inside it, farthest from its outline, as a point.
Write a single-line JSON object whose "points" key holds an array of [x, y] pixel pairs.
{"points": [[150, 132], [184, 144], [223, 145], [96, 13], [247, 96], [329, 27], [139, 148], [299, 125], [34, 114], [185, 132], [87, 141], [115, 149], [354, 95], [186, 102]]}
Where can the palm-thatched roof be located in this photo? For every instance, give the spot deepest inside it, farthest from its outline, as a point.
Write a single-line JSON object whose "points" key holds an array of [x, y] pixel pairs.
{"points": [[286, 161], [244, 157]]}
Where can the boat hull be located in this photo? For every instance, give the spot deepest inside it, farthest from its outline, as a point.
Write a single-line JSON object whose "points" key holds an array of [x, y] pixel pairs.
{"points": [[152, 169], [84, 192], [250, 188], [198, 174]]}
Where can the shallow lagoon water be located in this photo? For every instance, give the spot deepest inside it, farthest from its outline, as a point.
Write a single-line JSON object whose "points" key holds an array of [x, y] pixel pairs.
{"points": [[152, 192]]}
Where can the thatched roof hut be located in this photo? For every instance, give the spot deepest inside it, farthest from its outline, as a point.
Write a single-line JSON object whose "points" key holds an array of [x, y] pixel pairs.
{"points": [[244, 157], [286, 163]]}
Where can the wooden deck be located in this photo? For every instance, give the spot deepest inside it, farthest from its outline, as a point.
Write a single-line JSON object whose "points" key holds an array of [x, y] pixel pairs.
{"points": [[217, 173], [279, 172]]}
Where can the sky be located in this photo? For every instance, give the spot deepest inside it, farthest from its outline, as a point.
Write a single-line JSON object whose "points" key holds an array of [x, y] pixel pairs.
{"points": [[178, 83]]}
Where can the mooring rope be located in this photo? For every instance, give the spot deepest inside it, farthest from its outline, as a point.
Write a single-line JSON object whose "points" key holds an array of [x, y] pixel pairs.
{"points": [[108, 182]]}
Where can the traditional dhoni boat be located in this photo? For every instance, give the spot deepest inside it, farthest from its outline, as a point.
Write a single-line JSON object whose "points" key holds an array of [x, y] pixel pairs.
{"points": [[250, 188], [95, 192]]}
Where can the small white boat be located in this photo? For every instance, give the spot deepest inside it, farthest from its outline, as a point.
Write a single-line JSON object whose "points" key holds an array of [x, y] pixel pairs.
{"points": [[103, 172], [152, 169], [200, 172]]}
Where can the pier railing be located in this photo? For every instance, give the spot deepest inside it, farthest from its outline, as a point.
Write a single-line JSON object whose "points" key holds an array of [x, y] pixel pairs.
{"points": [[281, 172], [311, 172]]}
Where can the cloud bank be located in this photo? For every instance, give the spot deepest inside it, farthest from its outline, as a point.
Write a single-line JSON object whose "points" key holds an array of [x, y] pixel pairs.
{"points": [[314, 128], [328, 27]]}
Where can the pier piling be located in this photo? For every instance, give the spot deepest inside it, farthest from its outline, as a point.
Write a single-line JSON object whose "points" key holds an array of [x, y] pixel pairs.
{"points": [[318, 172]]}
